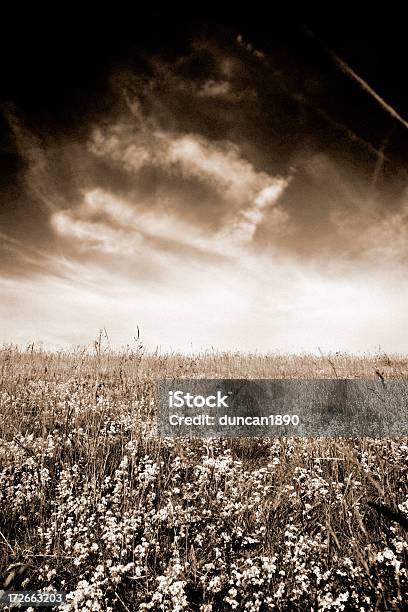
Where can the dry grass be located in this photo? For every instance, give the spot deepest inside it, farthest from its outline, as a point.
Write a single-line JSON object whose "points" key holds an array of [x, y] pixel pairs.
{"points": [[94, 504]]}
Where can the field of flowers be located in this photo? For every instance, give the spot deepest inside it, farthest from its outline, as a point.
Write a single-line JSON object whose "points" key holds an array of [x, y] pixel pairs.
{"points": [[93, 503]]}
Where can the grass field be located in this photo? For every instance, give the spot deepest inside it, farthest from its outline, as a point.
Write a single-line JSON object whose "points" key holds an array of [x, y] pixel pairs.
{"points": [[96, 505]]}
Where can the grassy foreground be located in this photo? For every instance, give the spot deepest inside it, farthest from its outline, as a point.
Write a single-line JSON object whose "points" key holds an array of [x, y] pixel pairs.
{"points": [[94, 504]]}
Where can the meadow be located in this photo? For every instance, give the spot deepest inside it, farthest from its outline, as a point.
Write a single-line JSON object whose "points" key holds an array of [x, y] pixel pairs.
{"points": [[94, 503]]}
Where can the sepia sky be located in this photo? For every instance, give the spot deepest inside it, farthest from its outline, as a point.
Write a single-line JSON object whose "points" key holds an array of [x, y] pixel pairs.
{"points": [[218, 182]]}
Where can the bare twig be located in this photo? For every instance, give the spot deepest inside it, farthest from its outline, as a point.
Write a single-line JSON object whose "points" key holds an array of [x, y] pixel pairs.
{"points": [[7, 542], [329, 360]]}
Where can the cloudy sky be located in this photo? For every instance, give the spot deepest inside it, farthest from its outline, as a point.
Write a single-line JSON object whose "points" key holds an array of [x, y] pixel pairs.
{"points": [[215, 182]]}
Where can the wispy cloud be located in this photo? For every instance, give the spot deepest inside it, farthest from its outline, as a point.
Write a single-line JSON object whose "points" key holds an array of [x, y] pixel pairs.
{"points": [[37, 177], [246, 193]]}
